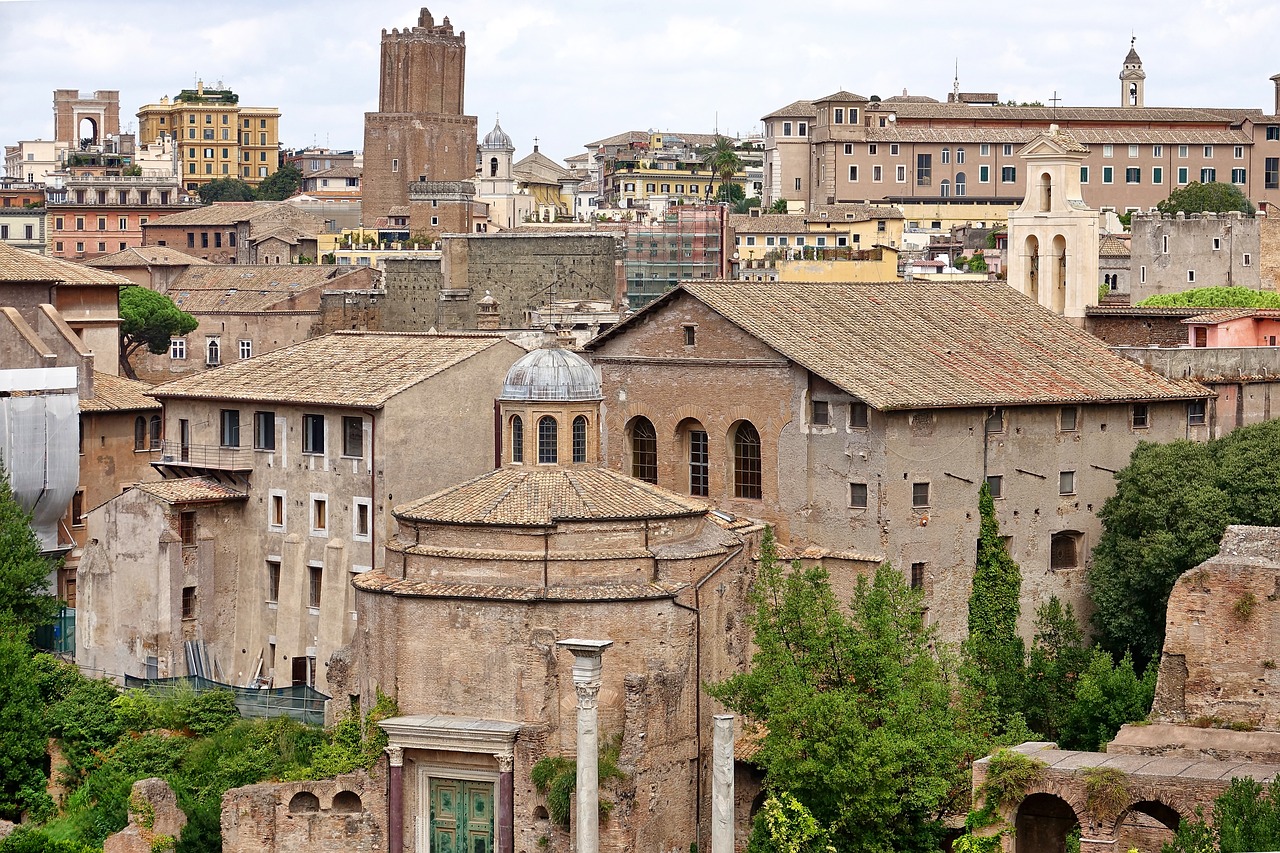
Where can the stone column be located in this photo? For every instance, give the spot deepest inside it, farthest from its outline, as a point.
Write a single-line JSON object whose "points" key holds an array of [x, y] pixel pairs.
{"points": [[395, 800], [586, 681], [505, 817], [722, 785]]}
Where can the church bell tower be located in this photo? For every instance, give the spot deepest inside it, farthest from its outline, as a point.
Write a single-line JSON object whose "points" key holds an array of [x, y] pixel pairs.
{"points": [[1131, 78]]}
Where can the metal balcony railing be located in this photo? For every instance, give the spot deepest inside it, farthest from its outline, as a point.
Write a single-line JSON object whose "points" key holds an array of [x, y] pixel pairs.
{"points": [[205, 456]]}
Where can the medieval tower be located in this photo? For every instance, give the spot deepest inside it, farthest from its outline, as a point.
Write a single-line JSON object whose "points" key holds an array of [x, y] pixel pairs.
{"points": [[419, 147]]}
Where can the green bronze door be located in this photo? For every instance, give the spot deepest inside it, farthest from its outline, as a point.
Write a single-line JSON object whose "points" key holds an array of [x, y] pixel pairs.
{"points": [[461, 816]]}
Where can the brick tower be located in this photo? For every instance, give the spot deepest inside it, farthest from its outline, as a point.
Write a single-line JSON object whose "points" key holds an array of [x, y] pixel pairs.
{"points": [[419, 148]]}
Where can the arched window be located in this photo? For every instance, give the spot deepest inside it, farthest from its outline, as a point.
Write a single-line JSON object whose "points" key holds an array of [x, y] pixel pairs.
{"points": [[946, 155], [961, 187], [580, 439], [699, 463], [959, 161], [746, 461], [213, 353], [493, 167], [547, 437], [155, 432], [644, 450], [517, 439], [1046, 192], [945, 188], [140, 434]]}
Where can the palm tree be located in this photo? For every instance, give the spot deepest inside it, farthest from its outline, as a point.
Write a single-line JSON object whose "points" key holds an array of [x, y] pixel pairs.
{"points": [[723, 160]]}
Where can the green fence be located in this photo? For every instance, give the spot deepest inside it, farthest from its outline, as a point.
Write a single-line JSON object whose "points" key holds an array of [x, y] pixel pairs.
{"points": [[302, 703], [60, 636]]}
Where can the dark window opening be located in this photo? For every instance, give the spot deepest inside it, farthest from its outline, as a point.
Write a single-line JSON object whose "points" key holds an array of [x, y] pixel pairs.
{"points": [[747, 462], [644, 451], [547, 440], [580, 439]]}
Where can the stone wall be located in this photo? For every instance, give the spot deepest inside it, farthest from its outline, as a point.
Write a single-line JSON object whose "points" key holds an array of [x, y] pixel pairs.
{"points": [[1166, 249], [1137, 327], [351, 309], [345, 814]]}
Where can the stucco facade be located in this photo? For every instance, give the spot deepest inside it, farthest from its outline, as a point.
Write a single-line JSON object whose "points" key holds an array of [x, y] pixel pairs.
{"points": [[1170, 254]]}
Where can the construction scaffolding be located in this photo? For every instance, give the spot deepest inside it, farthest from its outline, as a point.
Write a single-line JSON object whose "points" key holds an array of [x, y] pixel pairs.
{"points": [[300, 702], [686, 243]]}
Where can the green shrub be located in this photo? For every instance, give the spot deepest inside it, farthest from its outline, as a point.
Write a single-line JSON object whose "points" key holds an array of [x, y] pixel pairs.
{"points": [[1214, 297]]}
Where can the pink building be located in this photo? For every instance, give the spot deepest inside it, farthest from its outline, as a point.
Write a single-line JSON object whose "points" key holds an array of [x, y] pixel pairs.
{"points": [[1234, 327]]}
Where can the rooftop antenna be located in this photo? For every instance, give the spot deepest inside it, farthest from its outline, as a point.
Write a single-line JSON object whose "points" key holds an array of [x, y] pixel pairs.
{"points": [[955, 83]]}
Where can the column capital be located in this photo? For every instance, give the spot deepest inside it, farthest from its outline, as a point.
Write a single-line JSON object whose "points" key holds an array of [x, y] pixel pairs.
{"points": [[588, 694], [506, 761], [395, 754]]}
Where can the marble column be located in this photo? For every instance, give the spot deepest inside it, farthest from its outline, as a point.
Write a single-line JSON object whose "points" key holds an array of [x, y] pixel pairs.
{"points": [[395, 800], [587, 665], [722, 785], [505, 811]]}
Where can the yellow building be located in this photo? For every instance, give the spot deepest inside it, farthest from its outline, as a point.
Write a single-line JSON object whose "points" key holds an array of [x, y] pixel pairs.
{"points": [[638, 166], [832, 242], [214, 135]]}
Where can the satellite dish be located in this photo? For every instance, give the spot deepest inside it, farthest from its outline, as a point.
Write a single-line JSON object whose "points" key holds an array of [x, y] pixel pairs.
{"points": [[892, 117]]}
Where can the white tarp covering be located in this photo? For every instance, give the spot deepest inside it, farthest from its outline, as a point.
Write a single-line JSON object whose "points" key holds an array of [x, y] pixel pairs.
{"points": [[40, 448]]}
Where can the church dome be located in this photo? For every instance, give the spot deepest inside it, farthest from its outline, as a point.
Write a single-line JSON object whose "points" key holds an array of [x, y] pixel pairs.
{"points": [[498, 139], [551, 375]]}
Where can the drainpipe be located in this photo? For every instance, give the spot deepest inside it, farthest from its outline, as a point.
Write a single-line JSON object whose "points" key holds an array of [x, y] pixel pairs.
{"points": [[696, 610]]}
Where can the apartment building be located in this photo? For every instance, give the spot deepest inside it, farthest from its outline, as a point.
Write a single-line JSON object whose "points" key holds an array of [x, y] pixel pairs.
{"points": [[215, 135]]}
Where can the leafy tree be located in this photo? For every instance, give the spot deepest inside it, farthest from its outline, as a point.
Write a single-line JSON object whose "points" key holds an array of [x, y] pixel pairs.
{"points": [[779, 206], [855, 705], [1246, 816], [978, 263], [1213, 197], [784, 825], [1057, 658], [149, 319], [994, 652], [225, 189], [1108, 695], [25, 602], [279, 185], [1126, 219], [22, 745], [723, 161], [86, 722], [732, 193], [1214, 297], [745, 205]]}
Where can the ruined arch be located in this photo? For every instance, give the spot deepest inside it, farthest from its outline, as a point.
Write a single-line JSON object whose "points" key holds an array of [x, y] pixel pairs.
{"points": [[347, 802], [304, 801], [1042, 823]]}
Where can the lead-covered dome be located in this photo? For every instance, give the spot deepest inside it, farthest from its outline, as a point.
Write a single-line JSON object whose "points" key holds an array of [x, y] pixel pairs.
{"points": [[555, 375], [498, 139]]}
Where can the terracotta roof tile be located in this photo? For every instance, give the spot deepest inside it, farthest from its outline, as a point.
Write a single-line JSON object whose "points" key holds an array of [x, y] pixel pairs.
{"points": [[908, 345], [191, 490], [541, 497], [376, 581], [1084, 134], [795, 109], [1063, 115], [1112, 246], [245, 287], [1224, 315], [19, 266], [232, 212], [353, 369], [116, 393], [146, 256]]}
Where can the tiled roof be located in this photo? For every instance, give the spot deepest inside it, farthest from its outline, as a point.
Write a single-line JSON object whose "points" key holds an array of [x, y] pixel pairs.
{"points": [[245, 287], [1017, 135], [842, 95], [1140, 311], [191, 490], [350, 369], [1064, 140], [768, 223], [631, 137], [398, 210], [904, 98], [795, 109], [1226, 315], [541, 497], [116, 393], [539, 168], [1062, 115], [908, 345], [851, 212], [1111, 246], [19, 266], [146, 256], [225, 213], [338, 172], [377, 581]]}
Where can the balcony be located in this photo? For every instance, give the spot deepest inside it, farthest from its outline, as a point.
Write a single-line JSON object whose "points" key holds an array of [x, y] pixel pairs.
{"points": [[206, 457]]}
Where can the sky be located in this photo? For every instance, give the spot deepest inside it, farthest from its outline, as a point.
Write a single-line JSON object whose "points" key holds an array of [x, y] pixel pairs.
{"points": [[571, 71]]}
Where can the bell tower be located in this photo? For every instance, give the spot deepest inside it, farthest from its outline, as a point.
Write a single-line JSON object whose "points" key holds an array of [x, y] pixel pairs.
{"points": [[1132, 78]]}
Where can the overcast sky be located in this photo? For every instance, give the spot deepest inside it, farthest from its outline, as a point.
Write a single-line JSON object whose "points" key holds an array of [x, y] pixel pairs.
{"points": [[570, 71]]}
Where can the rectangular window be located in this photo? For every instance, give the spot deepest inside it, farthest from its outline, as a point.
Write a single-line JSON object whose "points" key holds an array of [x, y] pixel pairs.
{"points": [[124, 223], [995, 483], [1157, 151], [893, 149], [246, 349], [1140, 416], [877, 173], [1069, 419], [1067, 483], [871, 148], [177, 348], [1008, 150], [1184, 175], [1108, 151], [1142, 273], [1132, 175], [319, 515], [273, 580], [1184, 151], [797, 184], [1238, 152], [858, 416], [699, 463], [919, 495], [917, 575], [984, 174], [984, 149], [1208, 175], [853, 173], [276, 510], [1208, 152], [1273, 132], [1238, 176], [264, 430], [313, 434], [924, 170], [102, 223], [353, 437], [786, 128], [820, 413], [1084, 174], [1133, 151], [188, 602], [361, 511], [1270, 175], [1196, 412], [315, 575], [995, 421], [901, 174], [1191, 276], [1246, 260], [837, 115], [77, 508], [1008, 174], [858, 495], [395, 164], [1108, 174], [229, 430], [187, 529], [1157, 174], [1217, 243]]}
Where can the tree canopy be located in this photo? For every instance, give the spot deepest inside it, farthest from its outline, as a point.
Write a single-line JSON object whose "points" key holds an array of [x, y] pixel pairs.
{"points": [[149, 319], [1213, 197], [1246, 816], [1214, 297], [225, 189], [855, 707], [1171, 506], [723, 160], [25, 601], [280, 184]]}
